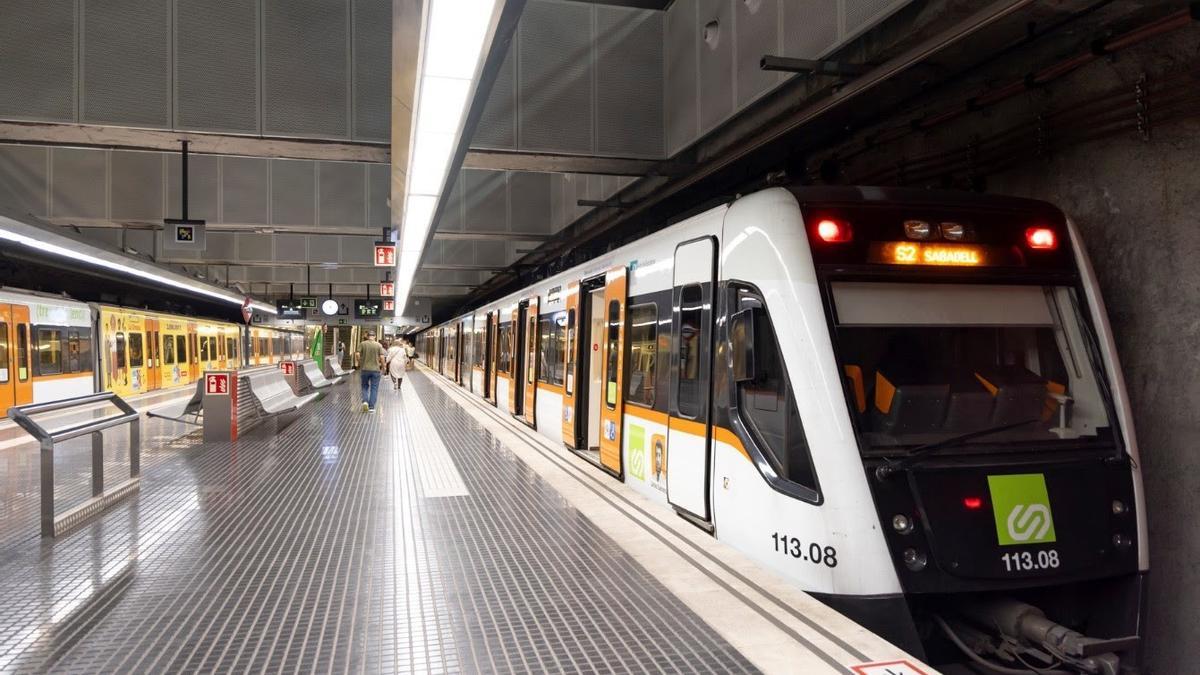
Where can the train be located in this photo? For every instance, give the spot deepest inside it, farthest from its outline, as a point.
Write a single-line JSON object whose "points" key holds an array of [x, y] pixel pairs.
{"points": [[53, 348], [906, 402]]}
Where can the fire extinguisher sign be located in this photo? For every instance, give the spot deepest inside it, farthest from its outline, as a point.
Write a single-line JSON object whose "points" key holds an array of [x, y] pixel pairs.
{"points": [[216, 383]]}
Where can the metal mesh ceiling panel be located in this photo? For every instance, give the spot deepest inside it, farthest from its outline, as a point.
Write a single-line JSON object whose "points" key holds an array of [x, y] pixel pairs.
{"points": [[290, 247], [629, 77], [216, 65], [220, 246], [255, 247], [529, 201], [809, 29], [342, 194], [372, 69], [498, 124], [244, 193], [137, 185], [680, 36], [716, 62], [37, 50], [357, 250], [555, 76], [379, 185], [293, 186], [204, 187], [305, 74], [485, 198], [24, 176], [126, 62], [758, 33], [862, 14], [452, 215], [323, 248], [78, 189]]}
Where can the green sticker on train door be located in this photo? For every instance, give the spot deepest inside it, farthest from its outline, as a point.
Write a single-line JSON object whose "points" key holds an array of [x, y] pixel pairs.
{"points": [[1021, 507], [636, 441]]}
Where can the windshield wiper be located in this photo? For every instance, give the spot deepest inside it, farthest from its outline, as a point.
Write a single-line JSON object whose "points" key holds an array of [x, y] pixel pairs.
{"points": [[894, 466]]}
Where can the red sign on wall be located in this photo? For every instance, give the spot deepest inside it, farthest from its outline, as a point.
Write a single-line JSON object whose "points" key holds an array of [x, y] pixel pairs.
{"points": [[216, 383], [385, 255], [288, 367], [387, 288], [389, 305]]}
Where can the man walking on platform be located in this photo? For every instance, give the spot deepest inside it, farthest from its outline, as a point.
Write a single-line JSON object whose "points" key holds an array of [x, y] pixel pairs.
{"points": [[368, 358]]}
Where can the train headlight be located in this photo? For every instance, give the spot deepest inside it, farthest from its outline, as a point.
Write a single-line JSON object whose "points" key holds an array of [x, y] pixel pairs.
{"points": [[915, 560], [1121, 541], [1118, 507], [918, 229], [902, 523]]}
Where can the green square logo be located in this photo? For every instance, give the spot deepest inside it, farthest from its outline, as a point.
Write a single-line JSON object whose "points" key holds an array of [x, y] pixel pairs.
{"points": [[637, 451], [1021, 507]]}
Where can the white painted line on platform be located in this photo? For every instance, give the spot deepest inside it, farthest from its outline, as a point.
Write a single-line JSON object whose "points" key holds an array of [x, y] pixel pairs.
{"points": [[439, 475]]}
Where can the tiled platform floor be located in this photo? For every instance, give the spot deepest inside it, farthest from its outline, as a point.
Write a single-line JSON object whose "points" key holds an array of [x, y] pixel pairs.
{"points": [[327, 547]]}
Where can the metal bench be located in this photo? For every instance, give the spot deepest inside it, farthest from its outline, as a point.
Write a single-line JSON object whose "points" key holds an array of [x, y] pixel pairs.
{"points": [[335, 367], [180, 412], [311, 377], [265, 394]]}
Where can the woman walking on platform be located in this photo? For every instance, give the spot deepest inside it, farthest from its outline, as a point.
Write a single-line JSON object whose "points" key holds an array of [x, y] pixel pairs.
{"points": [[395, 363]]}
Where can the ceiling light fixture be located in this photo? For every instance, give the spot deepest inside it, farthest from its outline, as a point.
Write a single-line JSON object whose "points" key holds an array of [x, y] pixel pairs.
{"points": [[165, 278], [455, 38]]}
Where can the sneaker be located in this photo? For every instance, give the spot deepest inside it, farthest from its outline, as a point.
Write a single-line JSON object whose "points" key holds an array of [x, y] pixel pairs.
{"points": [[365, 407], [370, 410]]}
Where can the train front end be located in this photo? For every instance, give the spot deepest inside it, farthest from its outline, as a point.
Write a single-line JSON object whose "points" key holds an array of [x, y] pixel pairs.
{"points": [[992, 422]]}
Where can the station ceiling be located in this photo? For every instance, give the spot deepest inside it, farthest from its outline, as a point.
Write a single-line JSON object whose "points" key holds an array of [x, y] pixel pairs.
{"points": [[595, 120]]}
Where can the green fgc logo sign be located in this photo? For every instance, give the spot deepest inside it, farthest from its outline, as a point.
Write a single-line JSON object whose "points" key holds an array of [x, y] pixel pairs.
{"points": [[1021, 507]]}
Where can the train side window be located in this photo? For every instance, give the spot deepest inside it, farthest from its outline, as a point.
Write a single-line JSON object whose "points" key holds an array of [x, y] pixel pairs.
{"points": [[691, 313], [614, 344], [643, 353], [203, 349], [169, 351], [504, 359], [49, 350], [553, 347], [765, 401], [230, 348], [180, 349], [4, 356], [531, 348], [136, 356], [23, 352], [121, 350]]}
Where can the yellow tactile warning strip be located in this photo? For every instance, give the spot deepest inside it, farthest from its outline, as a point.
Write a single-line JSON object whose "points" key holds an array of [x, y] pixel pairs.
{"points": [[776, 626]]}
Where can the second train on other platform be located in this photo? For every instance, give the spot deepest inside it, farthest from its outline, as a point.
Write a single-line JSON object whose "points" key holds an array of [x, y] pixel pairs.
{"points": [[907, 402]]}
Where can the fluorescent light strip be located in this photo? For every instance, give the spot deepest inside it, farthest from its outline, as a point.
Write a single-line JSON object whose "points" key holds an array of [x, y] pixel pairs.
{"points": [[125, 269], [451, 51]]}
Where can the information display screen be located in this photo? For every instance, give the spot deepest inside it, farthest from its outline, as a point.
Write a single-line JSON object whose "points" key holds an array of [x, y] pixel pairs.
{"points": [[290, 309], [369, 308]]}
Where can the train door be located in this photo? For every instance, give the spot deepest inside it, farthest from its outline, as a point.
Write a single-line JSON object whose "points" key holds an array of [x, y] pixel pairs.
{"points": [[461, 363], [612, 410], [516, 396], [16, 382], [590, 368], [531, 361], [689, 431], [153, 364], [489, 358], [570, 359], [193, 354]]}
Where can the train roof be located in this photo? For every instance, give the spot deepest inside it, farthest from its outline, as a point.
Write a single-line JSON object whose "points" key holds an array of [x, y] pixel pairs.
{"points": [[847, 194], [19, 295]]}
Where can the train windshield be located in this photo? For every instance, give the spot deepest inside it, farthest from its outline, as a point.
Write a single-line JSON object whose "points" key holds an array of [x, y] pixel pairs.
{"points": [[924, 363]]}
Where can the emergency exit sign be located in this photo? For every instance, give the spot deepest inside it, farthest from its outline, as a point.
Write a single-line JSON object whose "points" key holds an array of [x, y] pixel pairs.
{"points": [[385, 254]]}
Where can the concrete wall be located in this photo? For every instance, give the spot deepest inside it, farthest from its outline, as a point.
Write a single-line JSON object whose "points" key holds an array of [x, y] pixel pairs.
{"points": [[1138, 207]]}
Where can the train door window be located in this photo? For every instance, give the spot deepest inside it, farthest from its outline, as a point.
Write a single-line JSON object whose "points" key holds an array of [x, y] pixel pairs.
{"points": [[49, 351], [204, 356], [212, 347], [230, 348], [764, 393], [505, 359], [531, 325], [192, 347], [121, 350], [73, 351], [23, 352], [571, 354], [4, 355], [180, 349], [643, 352], [691, 311], [614, 344], [136, 355], [85, 349], [169, 351], [553, 347]]}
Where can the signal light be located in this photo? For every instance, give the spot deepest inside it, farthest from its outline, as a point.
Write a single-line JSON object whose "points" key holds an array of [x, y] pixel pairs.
{"points": [[1041, 238], [833, 232], [973, 503]]}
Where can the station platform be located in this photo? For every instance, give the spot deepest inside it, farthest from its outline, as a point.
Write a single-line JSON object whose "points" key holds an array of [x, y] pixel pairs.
{"points": [[434, 535]]}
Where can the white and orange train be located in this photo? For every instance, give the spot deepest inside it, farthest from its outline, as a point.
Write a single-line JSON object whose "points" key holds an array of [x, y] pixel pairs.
{"points": [[53, 348], [906, 402]]}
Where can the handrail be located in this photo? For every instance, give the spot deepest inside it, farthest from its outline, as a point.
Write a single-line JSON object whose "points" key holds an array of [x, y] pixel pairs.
{"points": [[101, 499]]}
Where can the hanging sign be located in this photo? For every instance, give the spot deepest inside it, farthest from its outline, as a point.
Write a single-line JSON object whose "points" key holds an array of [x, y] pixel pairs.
{"points": [[367, 308], [247, 312], [385, 254], [289, 309], [387, 288], [389, 305]]}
